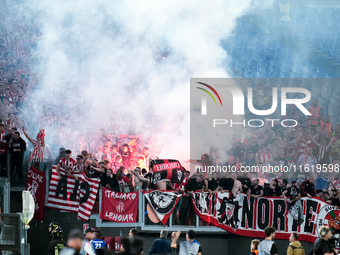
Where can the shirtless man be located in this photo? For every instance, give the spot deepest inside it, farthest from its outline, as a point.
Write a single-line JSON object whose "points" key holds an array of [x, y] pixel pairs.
{"points": [[237, 188], [138, 179]]}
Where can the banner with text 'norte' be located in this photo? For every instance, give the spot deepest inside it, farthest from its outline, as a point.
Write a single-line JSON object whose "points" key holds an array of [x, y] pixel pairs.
{"points": [[119, 207], [167, 170], [163, 203], [248, 216], [36, 183], [71, 195]]}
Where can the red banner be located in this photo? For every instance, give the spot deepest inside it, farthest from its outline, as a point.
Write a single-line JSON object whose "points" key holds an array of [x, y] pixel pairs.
{"points": [[36, 183], [119, 207], [248, 216]]}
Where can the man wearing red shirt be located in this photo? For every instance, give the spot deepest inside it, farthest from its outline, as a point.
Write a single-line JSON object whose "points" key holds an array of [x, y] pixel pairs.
{"points": [[116, 163], [67, 163], [38, 147], [126, 155], [78, 168], [264, 156], [123, 181]]}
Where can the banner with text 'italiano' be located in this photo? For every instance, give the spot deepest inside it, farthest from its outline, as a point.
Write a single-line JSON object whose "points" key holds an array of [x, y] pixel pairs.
{"points": [[248, 216], [119, 207]]}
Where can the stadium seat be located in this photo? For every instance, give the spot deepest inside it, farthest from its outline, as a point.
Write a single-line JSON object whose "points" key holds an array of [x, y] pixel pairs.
{"points": [[110, 242], [117, 243]]}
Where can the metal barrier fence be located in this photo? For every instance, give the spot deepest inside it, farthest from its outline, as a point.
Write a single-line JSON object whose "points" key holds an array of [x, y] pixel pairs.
{"points": [[173, 223], [4, 195], [12, 235]]}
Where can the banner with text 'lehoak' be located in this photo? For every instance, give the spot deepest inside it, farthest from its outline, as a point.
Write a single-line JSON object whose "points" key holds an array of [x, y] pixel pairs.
{"points": [[74, 196], [248, 216], [119, 207]]}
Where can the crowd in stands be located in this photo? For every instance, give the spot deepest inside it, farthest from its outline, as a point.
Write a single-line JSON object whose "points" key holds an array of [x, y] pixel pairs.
{"points": [[303, 160]]}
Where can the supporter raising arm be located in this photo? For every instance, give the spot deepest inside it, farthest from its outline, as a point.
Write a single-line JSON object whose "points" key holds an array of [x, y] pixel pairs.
{"points": [[190, 246], [38, 147], [138, 179], [123, 181]]}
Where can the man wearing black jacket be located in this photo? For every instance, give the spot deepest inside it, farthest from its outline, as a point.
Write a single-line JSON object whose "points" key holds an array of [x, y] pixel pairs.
{"points": [[272, 190], [322, 245], [17, 147], [226, 183], [195, 184], [161, 245], [246, 182]]}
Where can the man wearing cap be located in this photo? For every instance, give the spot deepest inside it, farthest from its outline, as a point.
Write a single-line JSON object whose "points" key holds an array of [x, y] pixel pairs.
{"points": [[86, 248], [292, 194], [78, 168], [67, 163]]}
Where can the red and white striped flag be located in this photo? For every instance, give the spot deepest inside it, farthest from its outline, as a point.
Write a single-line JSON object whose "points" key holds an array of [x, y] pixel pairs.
{"points": [[73, 196]]}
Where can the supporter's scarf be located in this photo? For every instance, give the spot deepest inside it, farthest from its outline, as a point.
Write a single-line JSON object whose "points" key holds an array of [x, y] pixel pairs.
{"points": [[167, 170]]}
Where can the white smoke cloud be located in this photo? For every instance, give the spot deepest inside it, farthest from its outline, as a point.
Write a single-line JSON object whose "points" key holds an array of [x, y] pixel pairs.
{"points": [[130, 62]]}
